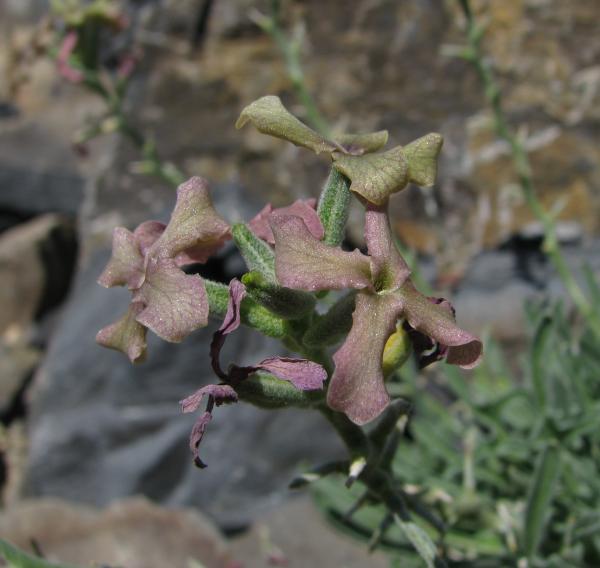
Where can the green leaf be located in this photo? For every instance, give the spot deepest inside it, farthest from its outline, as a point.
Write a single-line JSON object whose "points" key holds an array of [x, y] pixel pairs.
{"points": [[541, 493], [18, 559], [256, 252], [329, 328], [375, 176], [284, 302], [422, 157], [333, 207], [420, 540], [269, 116]]}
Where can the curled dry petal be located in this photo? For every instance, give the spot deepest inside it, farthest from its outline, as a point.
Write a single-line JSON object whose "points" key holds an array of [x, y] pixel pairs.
{"points": [[126, 265], [62, 60], [126, 335], [303, 208], [195, 227], [303, 262], [175, 303], [436, 320], [196, 437], [303, 374], [389, 269], [357, 385], [231, 321], [222, 394], [269, 116]]}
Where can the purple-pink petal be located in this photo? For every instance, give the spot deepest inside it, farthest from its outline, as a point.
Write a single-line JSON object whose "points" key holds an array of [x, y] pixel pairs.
{"points": [[126, 264], [147, 234], [303, 374], [303, 262], [196, 437], [67, 47], [222, 394], [436, 320], [175, 303], [303, 208], [357, 386], [126, 335], [389, 269], [194, 225]]}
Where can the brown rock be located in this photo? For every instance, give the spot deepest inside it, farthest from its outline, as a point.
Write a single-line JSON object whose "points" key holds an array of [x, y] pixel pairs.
{"points": [[131, 534]]}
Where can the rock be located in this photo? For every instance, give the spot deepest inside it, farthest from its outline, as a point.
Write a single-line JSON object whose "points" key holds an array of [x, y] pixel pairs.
{"points": [[298, 534], [36, 263], [101, 429], [125, 534], [17, 362]]}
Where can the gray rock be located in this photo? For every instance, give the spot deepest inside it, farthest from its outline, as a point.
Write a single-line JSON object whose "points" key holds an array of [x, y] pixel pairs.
{"points": [[102, 429], [36, 262]]}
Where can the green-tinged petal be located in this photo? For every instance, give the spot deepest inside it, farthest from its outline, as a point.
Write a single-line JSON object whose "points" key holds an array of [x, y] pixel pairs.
{"points": [[389, 269], [126, 265], [195, 227], [305, 263], [126, 334], [375, 176], [175, 303], [437, 321], [269, 116], [421, 156], [358, 144], [357, 386]]}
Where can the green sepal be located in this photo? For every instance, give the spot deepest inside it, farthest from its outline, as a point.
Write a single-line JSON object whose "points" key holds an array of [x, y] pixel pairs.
{"points": [[252, 314], [266, 391], [330, 327], [257, 253], [333, 207], [284, 302]]}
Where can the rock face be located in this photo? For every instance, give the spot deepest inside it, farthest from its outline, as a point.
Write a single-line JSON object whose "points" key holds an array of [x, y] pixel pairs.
{"points": [[125, 534], [101, 429]]}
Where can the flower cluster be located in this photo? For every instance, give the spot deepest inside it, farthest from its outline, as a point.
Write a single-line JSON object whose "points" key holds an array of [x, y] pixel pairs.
{"points": [[293, 253]]}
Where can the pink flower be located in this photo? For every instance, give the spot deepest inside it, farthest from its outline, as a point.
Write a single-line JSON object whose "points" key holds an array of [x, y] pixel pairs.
{"points": [[147, 261], [385, 295], [67, 47]]}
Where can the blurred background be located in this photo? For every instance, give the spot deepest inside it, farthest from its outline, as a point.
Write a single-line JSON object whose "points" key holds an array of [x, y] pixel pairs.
{"points": [[83, 427]]}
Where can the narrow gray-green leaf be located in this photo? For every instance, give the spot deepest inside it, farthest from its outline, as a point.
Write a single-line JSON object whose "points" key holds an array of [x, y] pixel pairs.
{"points": [[420, 540], [421, 156], [538, 360], [333, 207], [256, 252], [541, 493], [269, 116], [375, 176]]}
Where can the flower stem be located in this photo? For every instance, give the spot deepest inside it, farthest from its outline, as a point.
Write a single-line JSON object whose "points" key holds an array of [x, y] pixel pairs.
{"points": [[523, 168]]}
